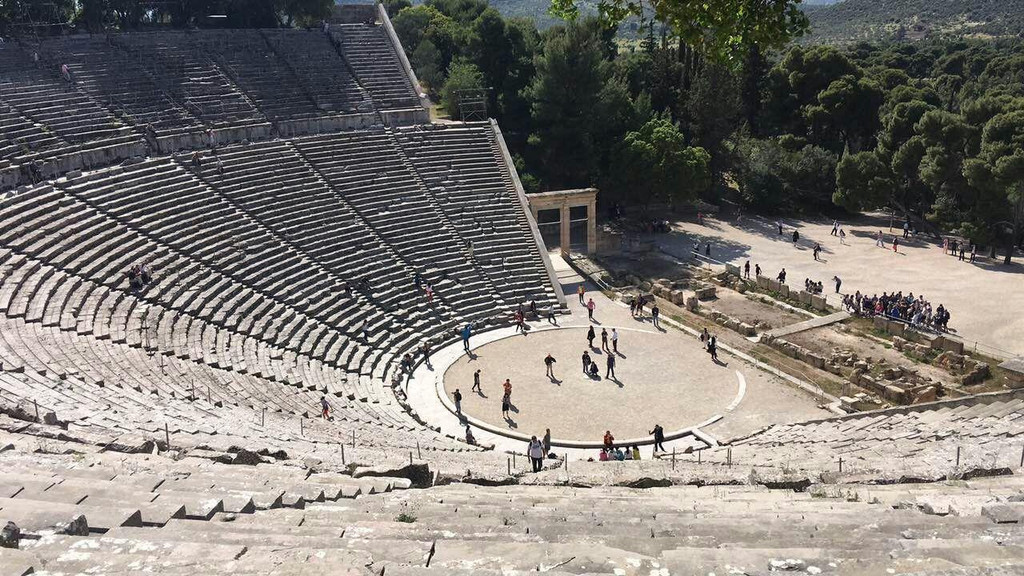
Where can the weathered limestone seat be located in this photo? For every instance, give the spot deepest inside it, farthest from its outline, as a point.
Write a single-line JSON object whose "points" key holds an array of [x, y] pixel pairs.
{"points": [[290, 521]]}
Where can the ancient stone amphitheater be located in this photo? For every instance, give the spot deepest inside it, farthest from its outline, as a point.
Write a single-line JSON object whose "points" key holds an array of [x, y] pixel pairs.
{"points": [[290, 199]]}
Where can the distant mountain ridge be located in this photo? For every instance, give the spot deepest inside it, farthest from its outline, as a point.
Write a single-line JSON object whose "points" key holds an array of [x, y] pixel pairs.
{"points": [[855, 20]]}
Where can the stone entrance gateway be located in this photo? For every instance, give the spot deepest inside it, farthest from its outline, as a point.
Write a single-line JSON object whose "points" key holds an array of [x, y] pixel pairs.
{"points": [[567, 219]]}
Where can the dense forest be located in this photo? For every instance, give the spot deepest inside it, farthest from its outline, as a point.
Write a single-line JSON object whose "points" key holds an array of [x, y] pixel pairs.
{"points": [[933, 129], [874, 20]]}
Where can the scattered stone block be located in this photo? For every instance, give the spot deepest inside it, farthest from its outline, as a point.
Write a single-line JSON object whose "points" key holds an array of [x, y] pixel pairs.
{"points": [[733, 270], [10, 536], [951, 345], [928, 394], [692, 304], [677, 297], [763, 282], [706, 293], [818, 302], [1015, 372], [246, 458], [1005, 513]]}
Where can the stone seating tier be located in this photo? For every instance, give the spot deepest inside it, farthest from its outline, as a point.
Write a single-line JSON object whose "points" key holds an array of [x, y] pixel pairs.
{"points": [[128, 513], [282, 272], [135, 93]]}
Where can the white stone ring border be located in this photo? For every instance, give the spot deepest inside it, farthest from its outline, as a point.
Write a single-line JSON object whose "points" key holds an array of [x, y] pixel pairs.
{"points": [[442, 397]]}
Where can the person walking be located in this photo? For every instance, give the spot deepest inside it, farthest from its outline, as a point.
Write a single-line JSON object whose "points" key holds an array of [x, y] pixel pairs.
{"points": [[659, 438], [835, 227], [467, 331], [707, 250], [838, 281], [655, 312], [546, 441], [325, 408], [796, 236], [586, 361], [782, 276], [963, 247], [579, 292], [906, 229], [713, 348], [590, 308], [604, 340], [476, 383], [817, 250], [746, 270], [507, 389], [778, 223], [458, 402], [591, 336], [842, 236], [615, 341], [757, 270], [974, 252], [536, 454], [506, 403], [879, 240], [549, 361], [610, 372], [896, 245], [609, 440]]}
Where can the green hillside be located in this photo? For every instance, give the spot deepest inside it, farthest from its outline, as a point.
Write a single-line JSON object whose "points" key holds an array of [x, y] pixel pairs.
{"points": [[854, 20]]}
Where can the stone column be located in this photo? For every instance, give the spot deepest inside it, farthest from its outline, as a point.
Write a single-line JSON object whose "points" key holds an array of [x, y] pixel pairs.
{"points": [[592, 227], [563, 228]]}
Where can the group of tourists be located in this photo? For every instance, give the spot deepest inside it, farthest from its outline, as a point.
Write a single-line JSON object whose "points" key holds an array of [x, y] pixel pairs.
{"points": [[813, 287], [538, 450], [636, 308], [917, 312], [611, 452], [591, 369], [953, 247], [710, 344], [589, 366], [138, 277]]}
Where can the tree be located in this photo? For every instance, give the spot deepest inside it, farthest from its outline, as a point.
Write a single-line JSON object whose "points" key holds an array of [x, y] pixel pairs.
{"points": [[567, 106], [393, 7], [513, 105], [661, 167], [462, 75], [426, 61], [863, 182], [948, 142], [774, 173], [712, 106], [492, 51], [37, 12], [717, 28], [425, 22], [998, 172], [850, 106]]}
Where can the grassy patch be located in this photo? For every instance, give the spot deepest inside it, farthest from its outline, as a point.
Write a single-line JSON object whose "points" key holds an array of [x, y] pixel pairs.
{"points": [[405, 518]]}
